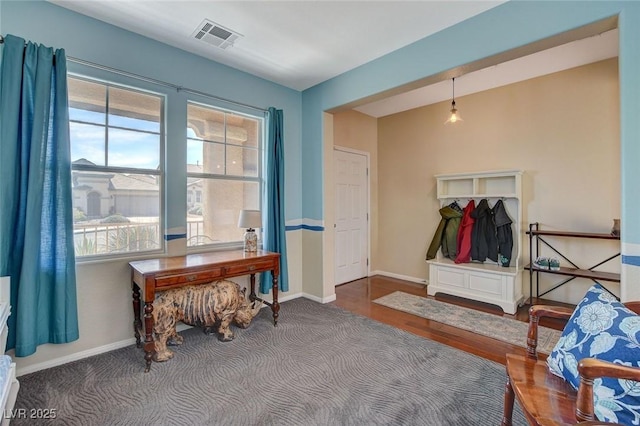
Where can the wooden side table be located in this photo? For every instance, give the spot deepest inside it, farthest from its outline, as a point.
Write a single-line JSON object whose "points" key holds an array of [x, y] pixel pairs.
{"points": [[165, 273]]}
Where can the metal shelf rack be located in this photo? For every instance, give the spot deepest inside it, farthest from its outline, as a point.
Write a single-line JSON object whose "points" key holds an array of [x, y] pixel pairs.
{"points": [[538, 236]]}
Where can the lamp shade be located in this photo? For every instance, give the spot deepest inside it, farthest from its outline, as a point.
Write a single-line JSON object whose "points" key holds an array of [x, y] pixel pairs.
{"points": [[454, 115], [250, 219]]}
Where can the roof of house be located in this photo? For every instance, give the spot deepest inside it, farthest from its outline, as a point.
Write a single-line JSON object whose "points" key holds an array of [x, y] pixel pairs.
{"points": [[134, 182], [139, 182], [194, 168]]}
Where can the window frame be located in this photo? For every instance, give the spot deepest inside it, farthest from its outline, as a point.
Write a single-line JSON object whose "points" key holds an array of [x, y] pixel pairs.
{"points": [[160, 172], [259, 179]]}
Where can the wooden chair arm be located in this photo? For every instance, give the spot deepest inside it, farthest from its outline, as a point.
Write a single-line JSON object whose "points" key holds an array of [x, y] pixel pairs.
{"points": [[590, 369], [550, 311], [535, 313]]}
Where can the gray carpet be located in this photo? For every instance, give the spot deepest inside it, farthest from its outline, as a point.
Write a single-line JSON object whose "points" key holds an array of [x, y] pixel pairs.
{"points": [[495, 326], [321, 366]]}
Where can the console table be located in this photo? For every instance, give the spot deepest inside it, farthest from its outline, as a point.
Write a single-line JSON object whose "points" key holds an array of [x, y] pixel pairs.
{"points": [[152, 275]]}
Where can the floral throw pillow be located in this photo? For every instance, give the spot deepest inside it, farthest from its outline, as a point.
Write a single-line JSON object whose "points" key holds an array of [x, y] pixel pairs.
{"points": [[601, 327]]}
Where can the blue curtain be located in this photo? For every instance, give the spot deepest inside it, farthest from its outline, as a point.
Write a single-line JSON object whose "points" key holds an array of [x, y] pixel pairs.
{"points": [[36, 222], [275, 239]]}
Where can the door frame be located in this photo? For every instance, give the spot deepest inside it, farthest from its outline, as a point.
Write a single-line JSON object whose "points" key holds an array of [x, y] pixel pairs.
{"points": [[367, 203]]}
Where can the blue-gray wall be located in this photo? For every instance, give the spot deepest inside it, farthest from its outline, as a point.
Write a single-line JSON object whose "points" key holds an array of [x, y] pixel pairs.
{"points": [[506, 27], [104, 288], [95, 41]]}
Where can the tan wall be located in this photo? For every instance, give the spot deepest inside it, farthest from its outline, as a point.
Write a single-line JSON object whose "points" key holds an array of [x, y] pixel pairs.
{"points": [[561, 129], [352, 129]]}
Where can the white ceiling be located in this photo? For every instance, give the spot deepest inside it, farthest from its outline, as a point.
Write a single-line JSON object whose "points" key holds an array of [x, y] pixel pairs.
{"points": [[299, 44]]}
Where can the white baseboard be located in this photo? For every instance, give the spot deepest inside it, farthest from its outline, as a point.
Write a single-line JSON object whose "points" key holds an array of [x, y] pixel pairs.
{"points": [[319, 299], [74, 357], [127, 342], [290, 297], [400, 277], [117, 345]]}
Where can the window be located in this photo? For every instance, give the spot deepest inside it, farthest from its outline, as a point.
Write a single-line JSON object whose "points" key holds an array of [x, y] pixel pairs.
{"points": [[116, 152], [223, 168]]}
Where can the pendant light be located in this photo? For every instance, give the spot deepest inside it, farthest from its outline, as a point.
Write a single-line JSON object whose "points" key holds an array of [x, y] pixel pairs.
{"points": [[454, 116]]}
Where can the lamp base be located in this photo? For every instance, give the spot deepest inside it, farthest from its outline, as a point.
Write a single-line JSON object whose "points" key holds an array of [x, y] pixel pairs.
{"points": [[250, 241]]}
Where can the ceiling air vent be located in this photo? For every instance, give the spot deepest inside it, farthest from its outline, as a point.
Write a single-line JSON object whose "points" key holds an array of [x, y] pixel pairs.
{"points": [[215, 34]]}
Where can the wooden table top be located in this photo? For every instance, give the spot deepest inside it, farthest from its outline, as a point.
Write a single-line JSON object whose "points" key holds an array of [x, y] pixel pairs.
{"points": [[195, 260]]}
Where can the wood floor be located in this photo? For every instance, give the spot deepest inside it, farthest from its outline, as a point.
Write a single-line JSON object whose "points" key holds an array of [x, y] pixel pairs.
{"points": [[357, 296]]}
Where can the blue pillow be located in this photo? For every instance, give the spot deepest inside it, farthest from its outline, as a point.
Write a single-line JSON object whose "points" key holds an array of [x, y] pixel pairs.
{"points": [[601, 327]]}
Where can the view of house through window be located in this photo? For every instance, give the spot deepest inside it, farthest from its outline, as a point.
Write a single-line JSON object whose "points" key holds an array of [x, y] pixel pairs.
{"points": [[223, 173], [116, 151]]}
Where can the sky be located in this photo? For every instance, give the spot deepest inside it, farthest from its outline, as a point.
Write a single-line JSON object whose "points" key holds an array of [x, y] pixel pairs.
{"points": [[134, 143]]}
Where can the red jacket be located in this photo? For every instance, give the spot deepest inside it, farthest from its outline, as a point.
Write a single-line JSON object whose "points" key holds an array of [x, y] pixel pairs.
{"points": [[464, 234]]}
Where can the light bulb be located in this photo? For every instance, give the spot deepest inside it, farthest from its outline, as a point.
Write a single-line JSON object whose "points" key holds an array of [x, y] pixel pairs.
{"points": [[454, 117]]}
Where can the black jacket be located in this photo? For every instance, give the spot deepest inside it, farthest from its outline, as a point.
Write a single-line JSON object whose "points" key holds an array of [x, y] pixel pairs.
{"points": [[484, 242], [503, 233]]}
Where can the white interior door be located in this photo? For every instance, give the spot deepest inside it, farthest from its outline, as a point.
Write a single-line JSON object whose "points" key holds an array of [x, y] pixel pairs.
{"points": [[351, 216]]}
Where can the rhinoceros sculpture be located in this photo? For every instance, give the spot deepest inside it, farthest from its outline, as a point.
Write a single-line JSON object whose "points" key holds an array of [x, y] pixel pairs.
{"points": [[209, 305]]}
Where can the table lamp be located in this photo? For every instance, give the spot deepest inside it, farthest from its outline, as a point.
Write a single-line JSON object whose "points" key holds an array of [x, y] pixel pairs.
{"points": [[250, 219]]}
